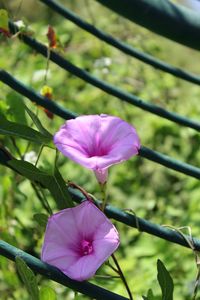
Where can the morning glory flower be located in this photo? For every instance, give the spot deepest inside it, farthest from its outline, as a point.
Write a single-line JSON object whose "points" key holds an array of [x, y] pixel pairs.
{"points": [[97, 142], [79, 240]]}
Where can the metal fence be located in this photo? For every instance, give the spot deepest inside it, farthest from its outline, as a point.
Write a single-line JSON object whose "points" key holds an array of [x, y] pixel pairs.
{"points": [[144, 13]]}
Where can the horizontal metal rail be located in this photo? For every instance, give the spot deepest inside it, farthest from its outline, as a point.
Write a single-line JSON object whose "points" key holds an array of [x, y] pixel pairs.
{"points": [[142, 225], [163, 17], [104, 86], [169, 162], [28, 92], [54, 274], [66, 114], [124, 47], [127, 218]]}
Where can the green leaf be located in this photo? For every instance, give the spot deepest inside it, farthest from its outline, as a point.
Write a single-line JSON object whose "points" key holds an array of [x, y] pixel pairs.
{"points": [[38, 124], [47, 293], [61, 187], [16, 107], [28, 278], [41, 219], [150, 295], [22, 131], [53, 182], [78, 296], [165, 281], [4, 19]]}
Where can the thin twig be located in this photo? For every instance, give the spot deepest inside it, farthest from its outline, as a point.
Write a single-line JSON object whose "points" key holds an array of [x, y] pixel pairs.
{"points": [[196, 284], [76, 186], [113, 268], [43, 201], [196, 254], [107, 277], [122, 276], [46, 201], [16, 147], [39, 154], [136, 218]]}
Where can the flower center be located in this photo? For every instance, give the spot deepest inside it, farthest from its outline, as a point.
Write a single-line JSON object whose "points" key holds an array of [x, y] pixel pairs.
{"points": [[97, 151], [86, 247]]}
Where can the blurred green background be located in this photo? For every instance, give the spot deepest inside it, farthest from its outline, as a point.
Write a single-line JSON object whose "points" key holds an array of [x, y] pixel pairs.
{"points": [[151, 191]]}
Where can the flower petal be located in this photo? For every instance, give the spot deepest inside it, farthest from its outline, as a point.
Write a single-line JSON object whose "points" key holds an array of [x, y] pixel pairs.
{"points": [[84, 268], [97, 142], [68, 229], [106, 231], [61, 231], [89, 214], [61, 257], [78, 138]]}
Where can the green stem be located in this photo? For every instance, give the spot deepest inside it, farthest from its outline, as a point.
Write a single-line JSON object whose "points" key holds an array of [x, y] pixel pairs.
{"points": [[16, 147], [39, 154], [196, 284], [118, 269], [27, 147], [190, 242], [106, 277], [46, 201], [76, 186], [122, 277], [109, 265], [103, 188], [43, 201]]}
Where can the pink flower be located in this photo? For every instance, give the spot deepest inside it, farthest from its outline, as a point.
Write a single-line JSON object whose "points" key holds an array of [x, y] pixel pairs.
{"points": [[79, 240], [97, 142]]}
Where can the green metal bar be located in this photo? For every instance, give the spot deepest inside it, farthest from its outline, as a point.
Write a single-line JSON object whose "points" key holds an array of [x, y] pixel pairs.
{"points": [[108, 88], [28, 92], [169, 162], [66, 114], [54, 274], [163, 17], [130, 219], [125, 48], [141, 224]]}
